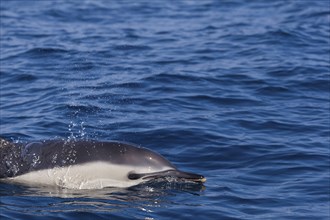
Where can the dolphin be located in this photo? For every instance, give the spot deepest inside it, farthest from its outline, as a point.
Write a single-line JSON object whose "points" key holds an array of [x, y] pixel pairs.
{"points": [[85, 164]]}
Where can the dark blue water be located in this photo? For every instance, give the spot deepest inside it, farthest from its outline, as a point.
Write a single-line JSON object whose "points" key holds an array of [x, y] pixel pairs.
{"points": [[238, 91]]}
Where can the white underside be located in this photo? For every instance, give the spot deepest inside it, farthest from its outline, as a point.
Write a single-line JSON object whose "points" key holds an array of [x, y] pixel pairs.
{"points": [[95, 175]]}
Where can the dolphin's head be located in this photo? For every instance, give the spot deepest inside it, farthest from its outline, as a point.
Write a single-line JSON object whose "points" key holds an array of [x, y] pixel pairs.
{"points": [[150, 165]]}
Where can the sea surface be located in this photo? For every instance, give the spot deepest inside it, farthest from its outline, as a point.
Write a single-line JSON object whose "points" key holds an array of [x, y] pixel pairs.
{"points": [[238, 91]]}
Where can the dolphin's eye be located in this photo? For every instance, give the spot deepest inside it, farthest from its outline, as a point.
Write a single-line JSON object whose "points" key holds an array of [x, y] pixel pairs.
{"points": [[134, 176]]}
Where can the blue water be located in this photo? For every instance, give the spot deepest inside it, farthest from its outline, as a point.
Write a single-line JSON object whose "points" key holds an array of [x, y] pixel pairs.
{"points": [[238, 91]]}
